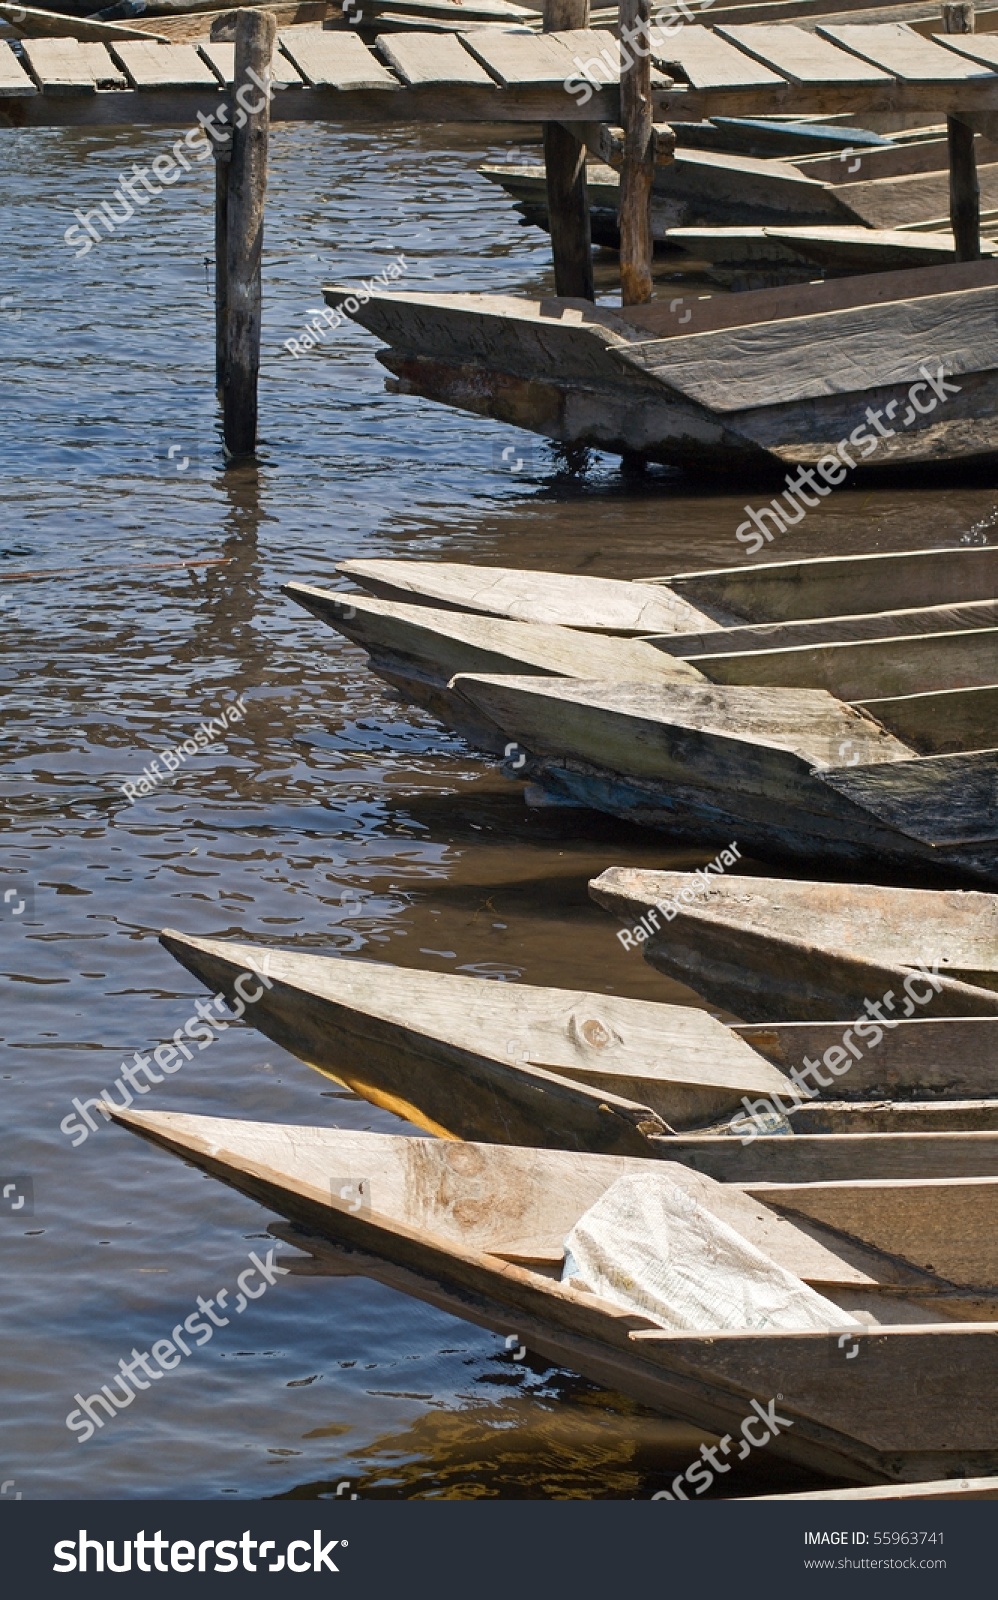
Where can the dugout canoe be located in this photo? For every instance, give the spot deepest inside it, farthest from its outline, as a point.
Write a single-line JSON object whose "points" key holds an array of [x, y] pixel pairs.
{"points": [[910, 1270], [774, 387], [791, 774], [467, 1058], [420, 651], [777, 948], [824, 590]]}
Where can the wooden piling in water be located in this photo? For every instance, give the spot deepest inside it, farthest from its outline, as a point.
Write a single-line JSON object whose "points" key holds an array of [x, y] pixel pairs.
{"points": [[964, 189], [241, 186], [638, 168], [565, 165]]}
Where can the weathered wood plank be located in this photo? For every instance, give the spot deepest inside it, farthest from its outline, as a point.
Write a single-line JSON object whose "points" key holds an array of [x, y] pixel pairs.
{"points": [[331, 60], [901, 52], [60, 66], [830, 630], [940, 1489], [981, 47], [801, 57], [936, 724], [221, 57], [940, 800], [830, 585], [782, 950], [106, 72], [522, 61], [707, 61], [14, 81], [30, 22], [843, 352], [430, 58], [865, 668], [162, 66], [930, 1058]]}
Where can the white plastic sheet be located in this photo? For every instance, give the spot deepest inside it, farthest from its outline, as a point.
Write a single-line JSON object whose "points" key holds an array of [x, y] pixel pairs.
{"points": [[649, 1247]]}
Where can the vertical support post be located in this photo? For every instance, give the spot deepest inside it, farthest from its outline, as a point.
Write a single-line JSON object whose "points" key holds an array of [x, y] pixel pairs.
{"points": [[222, 152], [565, 165], [638, 170], [964, 189], [247, 188]]}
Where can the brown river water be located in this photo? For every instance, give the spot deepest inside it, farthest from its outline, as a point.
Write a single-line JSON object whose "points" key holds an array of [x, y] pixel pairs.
{"points": [[331, 818]]}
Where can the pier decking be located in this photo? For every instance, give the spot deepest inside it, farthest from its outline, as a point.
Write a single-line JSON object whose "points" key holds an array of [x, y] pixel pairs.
{"points": [[486, 75]]}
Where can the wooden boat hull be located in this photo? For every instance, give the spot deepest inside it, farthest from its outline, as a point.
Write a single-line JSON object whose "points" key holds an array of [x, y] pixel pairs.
{"points": [[709, 769], [479, 1231], [469, 1059], [778, 949], [779, 391], [822, 593]]}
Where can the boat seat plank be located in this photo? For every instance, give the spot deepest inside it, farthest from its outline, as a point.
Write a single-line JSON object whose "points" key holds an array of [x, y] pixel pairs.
{"points": [[800, 56], [61, 66], [13, 78], [162, 66], [901, 51], [328, 60], [865, 347], [707, 61], [220, 55], [431, 58]]}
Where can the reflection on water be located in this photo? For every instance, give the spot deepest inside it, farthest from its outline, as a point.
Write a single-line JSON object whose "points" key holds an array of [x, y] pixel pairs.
{"points": [[330, 818]]}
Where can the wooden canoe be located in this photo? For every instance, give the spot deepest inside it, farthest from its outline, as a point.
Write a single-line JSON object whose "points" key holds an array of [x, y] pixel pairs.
{"points": [[756, 395], [820, 593], [789, 773], [466, 1058], [419, 650], [479, 1230], [774, 948]]}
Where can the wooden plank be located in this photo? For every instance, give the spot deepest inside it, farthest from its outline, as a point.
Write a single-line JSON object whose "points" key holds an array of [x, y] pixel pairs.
{"points": [[866, 668], [14, 81], [565, 187], [936, 724], [221, 57], [29, 22], [939, 1489], [106, 72], [705, 60], [59, 66], [599, 605], [163, 66], [831, 630], [844, 352], [331, 60], [802, 57], [784, 950], [980, 47], [525, 61], [931, 1058], [430, 58], [836, 585], [939, 800], [903, 53]]}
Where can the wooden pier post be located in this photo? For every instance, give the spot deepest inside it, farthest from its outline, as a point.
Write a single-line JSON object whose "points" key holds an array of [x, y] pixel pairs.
{"points": [[222, 151], [565, 165], [638, 169], [964, 189], [244, 177]]}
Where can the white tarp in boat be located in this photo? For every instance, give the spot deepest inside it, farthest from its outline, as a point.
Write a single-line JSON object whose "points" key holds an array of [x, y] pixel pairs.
{"points": [[649, 1247]]}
